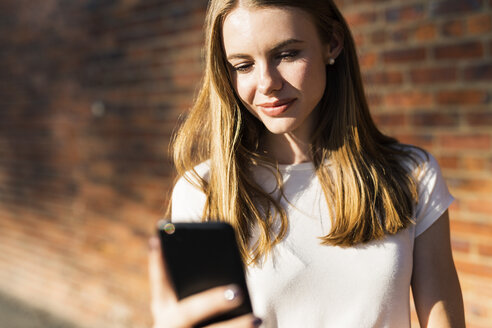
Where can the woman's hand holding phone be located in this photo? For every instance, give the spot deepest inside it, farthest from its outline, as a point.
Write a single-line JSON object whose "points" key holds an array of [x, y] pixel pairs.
{"points": [[168, 312]]}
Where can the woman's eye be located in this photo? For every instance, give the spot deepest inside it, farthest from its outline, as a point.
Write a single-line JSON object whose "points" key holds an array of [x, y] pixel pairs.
{"points": [[242, 67], [288, 54]]}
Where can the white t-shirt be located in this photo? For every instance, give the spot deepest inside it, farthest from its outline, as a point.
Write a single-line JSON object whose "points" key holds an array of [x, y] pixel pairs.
{"points": [[306, 284]]}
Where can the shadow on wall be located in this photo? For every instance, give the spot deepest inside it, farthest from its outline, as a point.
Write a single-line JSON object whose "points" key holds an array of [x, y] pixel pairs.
{"points": [[17, 314]]}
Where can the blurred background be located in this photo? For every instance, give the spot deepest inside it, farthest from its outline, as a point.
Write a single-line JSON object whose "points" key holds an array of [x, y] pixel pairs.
{"points": [[91, 92]]}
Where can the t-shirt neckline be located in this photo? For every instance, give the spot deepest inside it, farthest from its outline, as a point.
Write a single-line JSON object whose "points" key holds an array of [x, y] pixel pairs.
{"points": [[296, 167]]}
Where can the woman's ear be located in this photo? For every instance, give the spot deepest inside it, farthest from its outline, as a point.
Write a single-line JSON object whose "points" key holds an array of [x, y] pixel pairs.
{"points": [[333, 49]]}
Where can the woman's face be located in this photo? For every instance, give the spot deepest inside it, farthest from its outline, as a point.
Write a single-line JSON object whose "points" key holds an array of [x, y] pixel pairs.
{"points": [[277, 63]]}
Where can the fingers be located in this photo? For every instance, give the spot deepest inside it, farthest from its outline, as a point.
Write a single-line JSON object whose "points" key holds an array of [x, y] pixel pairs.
{"points": [[160, 285], [210, 303], [202, 306], [245, 321]]}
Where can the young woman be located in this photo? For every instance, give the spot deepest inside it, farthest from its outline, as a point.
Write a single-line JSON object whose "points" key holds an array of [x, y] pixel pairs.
{"points": [[335, 220]]}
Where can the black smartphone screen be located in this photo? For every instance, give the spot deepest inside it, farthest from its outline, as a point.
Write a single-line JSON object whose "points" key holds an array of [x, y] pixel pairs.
{"points": [[200, 256]]}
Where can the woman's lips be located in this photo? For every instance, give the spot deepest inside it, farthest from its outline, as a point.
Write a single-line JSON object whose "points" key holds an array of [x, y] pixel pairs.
{"points": [[276, 108]]}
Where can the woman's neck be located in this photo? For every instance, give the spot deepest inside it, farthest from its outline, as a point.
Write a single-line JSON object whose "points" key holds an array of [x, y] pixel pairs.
{"points": [[286, 148]]}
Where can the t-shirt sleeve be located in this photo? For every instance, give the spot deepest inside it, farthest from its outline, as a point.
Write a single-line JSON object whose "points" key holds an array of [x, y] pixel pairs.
{"points": [[434, 196], [188, 201]]}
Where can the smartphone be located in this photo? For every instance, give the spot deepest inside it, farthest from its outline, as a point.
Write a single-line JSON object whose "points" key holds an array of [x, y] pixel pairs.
{"points": [[200, 256]]}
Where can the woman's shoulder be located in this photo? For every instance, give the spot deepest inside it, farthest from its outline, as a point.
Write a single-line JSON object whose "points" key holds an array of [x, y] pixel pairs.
{"points": [[193, 177], [414, 151], [433, 194], [188, 197], [417, 160]]}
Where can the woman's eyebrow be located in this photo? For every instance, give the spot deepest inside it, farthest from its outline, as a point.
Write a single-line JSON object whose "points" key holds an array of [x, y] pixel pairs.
{"points": [[284, 44], [276, 48]]}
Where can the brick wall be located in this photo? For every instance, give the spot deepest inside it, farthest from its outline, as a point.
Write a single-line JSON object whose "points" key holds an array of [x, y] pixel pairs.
{"points": [[90, 92]]}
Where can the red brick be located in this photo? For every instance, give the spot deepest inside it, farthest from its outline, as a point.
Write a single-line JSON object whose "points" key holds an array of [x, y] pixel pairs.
{"points": [[477, 229], [453, 28], [374, 99], [385, 77], [390, 119], [422, 140], [433, 75], [425, 32], [479, 119], [368, 60], [485, 249], [448, 162], [360, 19], [474, 186], [483, 206], [471, 164], [434, 119], [408, 99], [184, 80], [476, 269], [359, 38], [405, 55], [480, 72], [405, 13], [464, 50], [462, 97], [379, 37], [466, 142], [458, 7], [400, 35], [479, 24], [482, 286]]}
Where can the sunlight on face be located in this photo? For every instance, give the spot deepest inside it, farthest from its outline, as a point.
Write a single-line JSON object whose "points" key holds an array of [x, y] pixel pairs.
{"points": [[277, 64]]}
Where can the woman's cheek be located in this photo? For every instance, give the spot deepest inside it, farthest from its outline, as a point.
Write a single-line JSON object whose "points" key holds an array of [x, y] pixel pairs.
{"points": [[245, 90], [299, 75], [245, 94]]}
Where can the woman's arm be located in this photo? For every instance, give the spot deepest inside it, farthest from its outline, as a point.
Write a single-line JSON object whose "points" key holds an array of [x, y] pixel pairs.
{"points": [[435, 286]]}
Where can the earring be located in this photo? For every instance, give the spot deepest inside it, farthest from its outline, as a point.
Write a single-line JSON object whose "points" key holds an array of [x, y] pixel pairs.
{"points": [[331, 61]]}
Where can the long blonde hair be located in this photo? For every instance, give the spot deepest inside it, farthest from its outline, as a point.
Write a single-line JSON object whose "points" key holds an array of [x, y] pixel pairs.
{"points": [[370, 191]]}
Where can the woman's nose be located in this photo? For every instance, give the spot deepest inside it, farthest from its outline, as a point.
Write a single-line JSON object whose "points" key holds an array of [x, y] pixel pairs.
{"points": [[269, 80]]}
